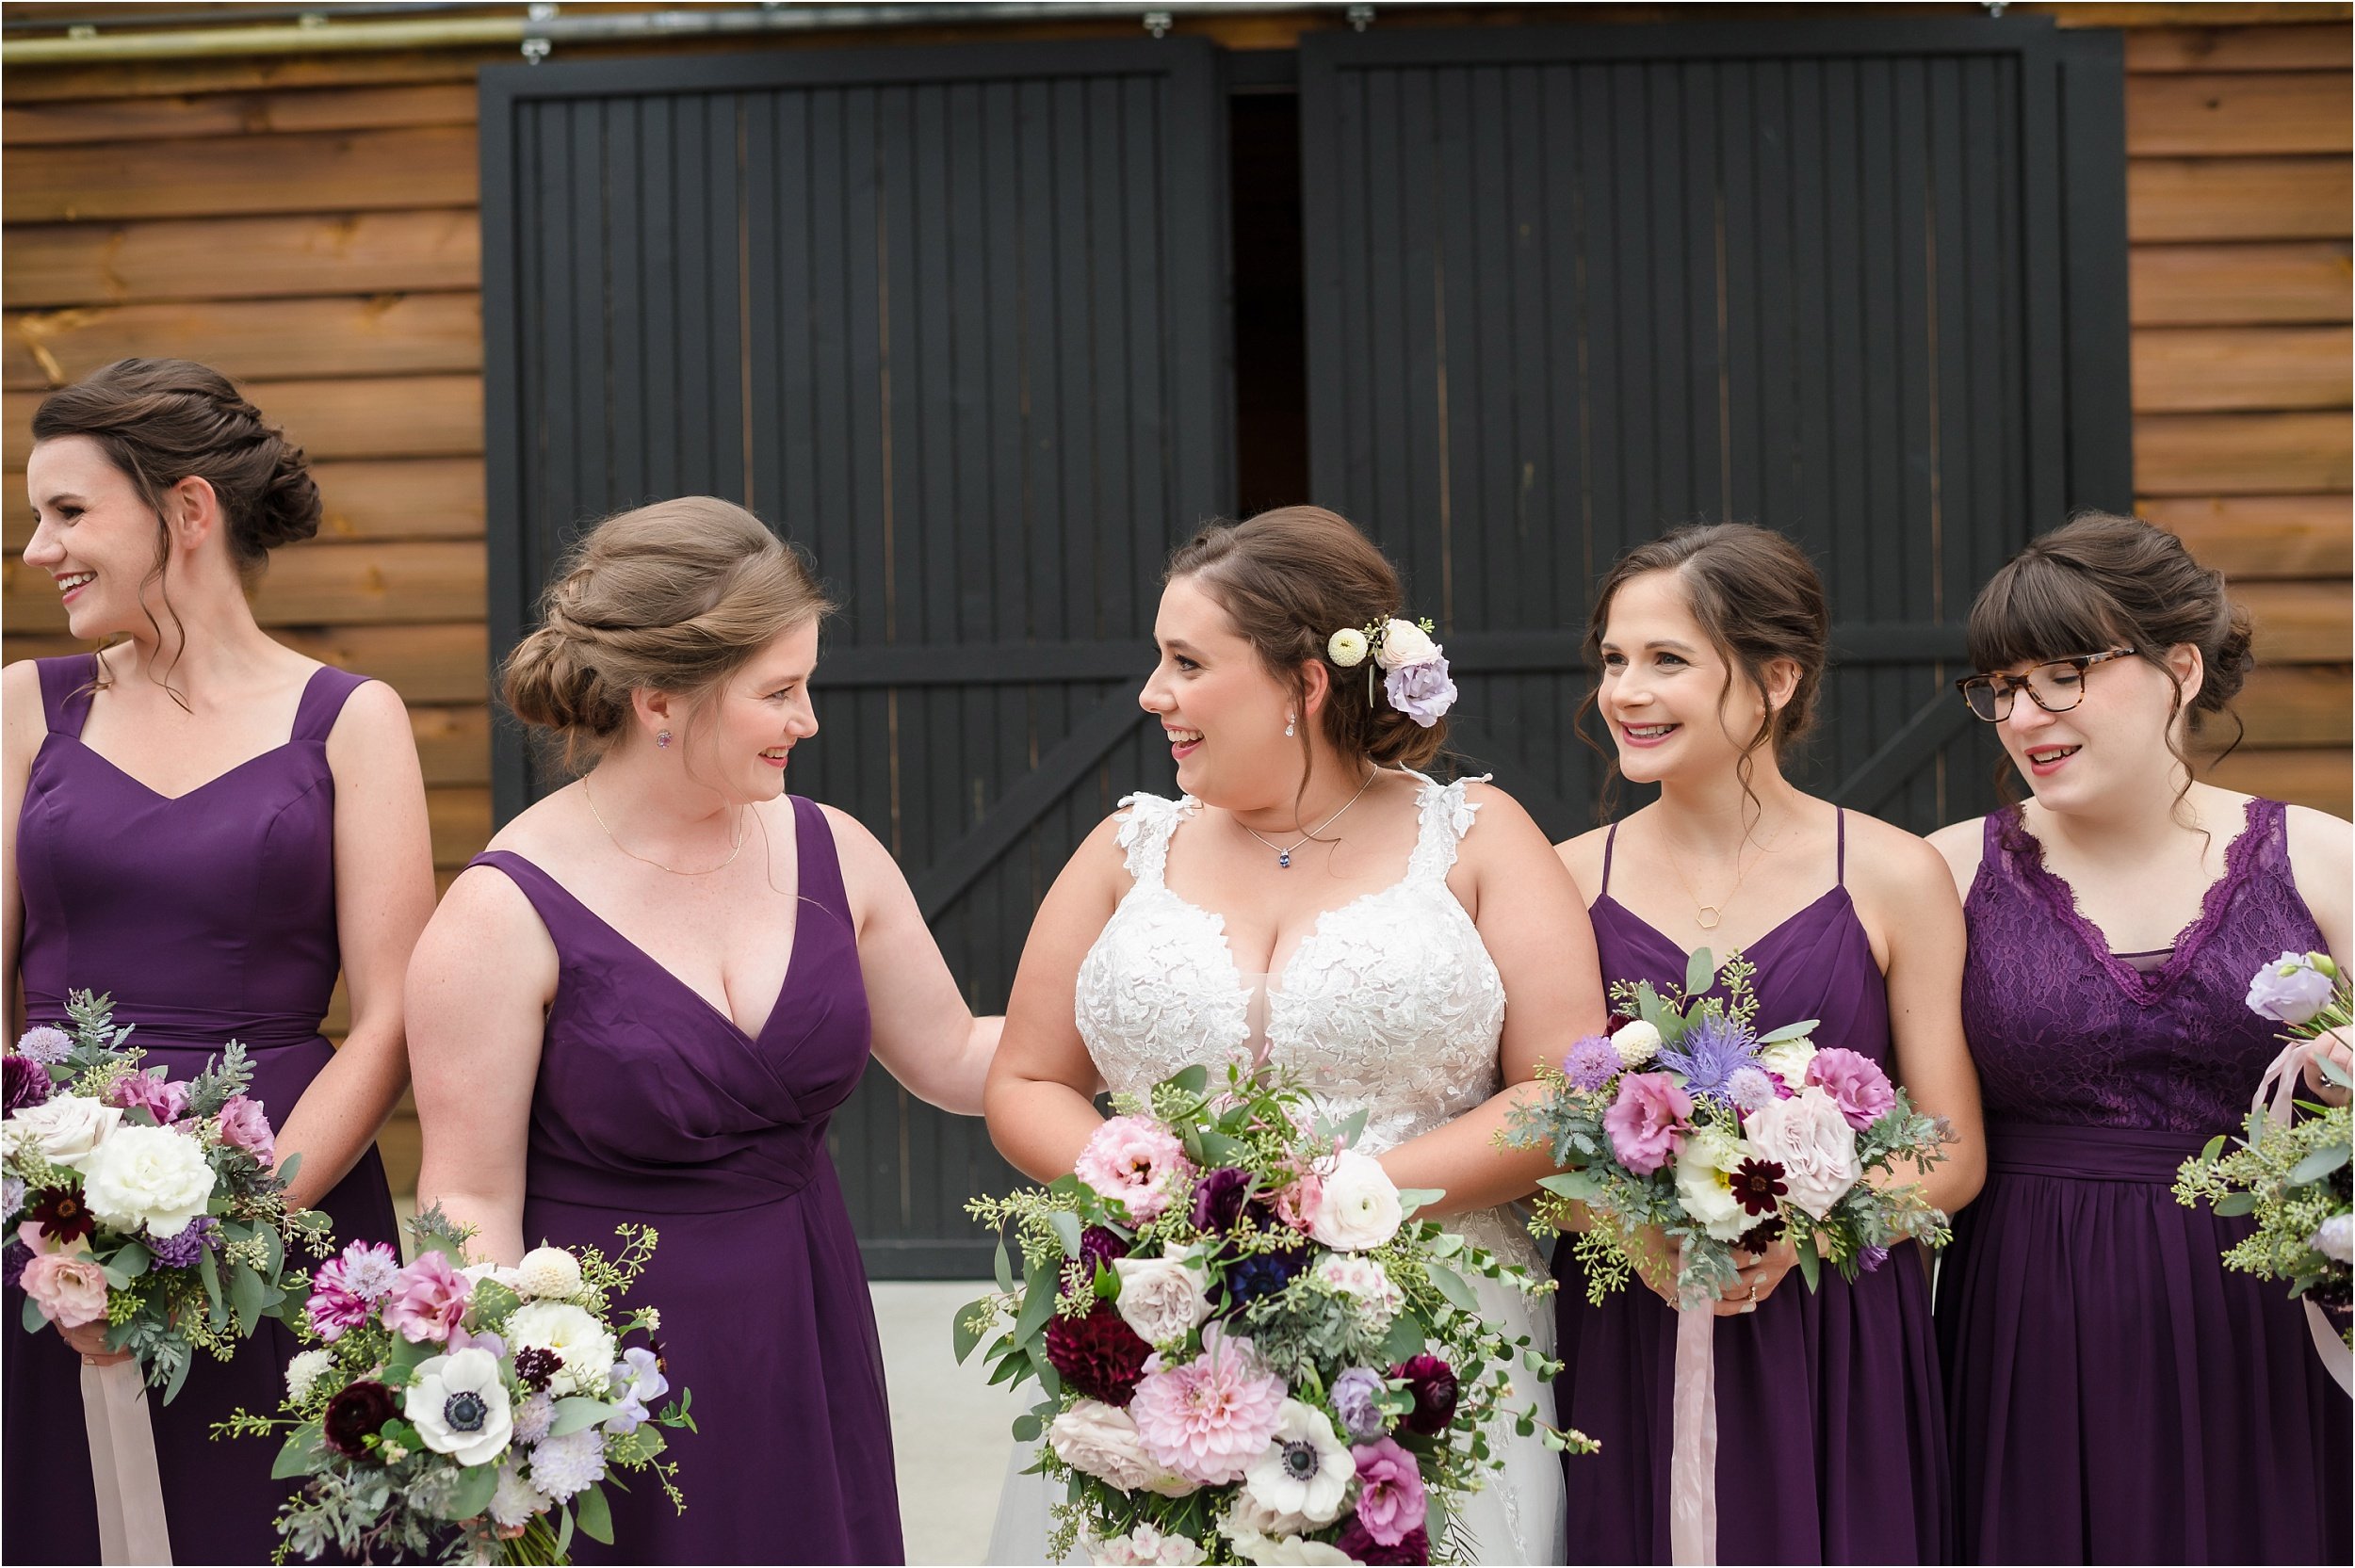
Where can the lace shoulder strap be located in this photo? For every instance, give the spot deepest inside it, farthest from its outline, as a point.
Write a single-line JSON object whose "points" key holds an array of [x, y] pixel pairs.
{"points": [[1147, 822], [1446, 817]]}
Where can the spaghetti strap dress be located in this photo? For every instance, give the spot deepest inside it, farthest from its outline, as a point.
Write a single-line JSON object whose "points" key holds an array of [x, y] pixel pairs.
{"points": [[2116, 1396], [1830, 1420], [208, 916], [653, 1107]]}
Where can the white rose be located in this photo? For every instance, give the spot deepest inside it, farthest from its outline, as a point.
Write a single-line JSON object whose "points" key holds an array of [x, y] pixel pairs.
{"points": [[1366, 1282], [150, 1176], [303, 1373], [460, 1408], [1247, 1520], [1288, 1550], [548, 1271], [1305, 1469], [1359, 1205], [1347, 647], [1636, 1044], [1812, 1141], [1704, 1189], [1787, 1060], [1160, 1296], [66, 1127], [580, 1339], [1100, 1440], [1405, 643], [1145, 1544]]}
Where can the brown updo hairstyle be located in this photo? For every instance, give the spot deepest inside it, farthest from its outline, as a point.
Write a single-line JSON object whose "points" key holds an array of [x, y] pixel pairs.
{"points": [[1289, 579], [2102, 581], [162, 421], [673, 597], [1757, 598]]}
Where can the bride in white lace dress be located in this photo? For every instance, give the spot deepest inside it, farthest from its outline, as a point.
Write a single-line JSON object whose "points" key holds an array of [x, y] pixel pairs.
{"points": [[1311, 901]]}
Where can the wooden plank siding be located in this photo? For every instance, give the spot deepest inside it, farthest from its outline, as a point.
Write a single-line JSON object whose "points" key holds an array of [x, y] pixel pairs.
{"points": [[309, 224]]}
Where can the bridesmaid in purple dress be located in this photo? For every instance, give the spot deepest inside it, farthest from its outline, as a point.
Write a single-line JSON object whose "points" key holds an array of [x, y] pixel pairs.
{"points": [[1831, 1441], [645, 1001], [208, 826], [2115, 1394]]}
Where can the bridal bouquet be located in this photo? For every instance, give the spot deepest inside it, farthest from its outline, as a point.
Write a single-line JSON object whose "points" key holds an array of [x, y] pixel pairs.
{"points": [[2292, 1175], [1690, 1120], [155, 1207], [472, 1412], [1248, 1348]]}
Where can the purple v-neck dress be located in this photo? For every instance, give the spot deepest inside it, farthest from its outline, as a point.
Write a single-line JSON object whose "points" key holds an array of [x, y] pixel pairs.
{"points": [[1831, 1426], [653, 1108], [2116, 1395], [208, 916]]}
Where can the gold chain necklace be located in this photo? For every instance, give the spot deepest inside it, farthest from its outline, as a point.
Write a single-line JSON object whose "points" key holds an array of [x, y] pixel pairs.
{"points": [[1707, 915], [736, 851]]}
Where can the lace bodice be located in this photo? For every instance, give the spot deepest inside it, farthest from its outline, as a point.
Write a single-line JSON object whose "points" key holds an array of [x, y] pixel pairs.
{"points": [[2064, 1032], [1390, 1004]]}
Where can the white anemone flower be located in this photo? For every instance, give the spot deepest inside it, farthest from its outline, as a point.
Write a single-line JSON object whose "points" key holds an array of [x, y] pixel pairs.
{"points": [[1306, 1468], [460, 1406]]}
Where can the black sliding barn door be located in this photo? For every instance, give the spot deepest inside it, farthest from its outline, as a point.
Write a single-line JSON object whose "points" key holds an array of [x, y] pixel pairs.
{"points": [[1862, 282], [952, 320]]}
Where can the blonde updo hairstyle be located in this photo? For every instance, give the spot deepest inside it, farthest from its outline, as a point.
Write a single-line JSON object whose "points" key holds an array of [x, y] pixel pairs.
{"points": [[673, 597], [1289, 579]]}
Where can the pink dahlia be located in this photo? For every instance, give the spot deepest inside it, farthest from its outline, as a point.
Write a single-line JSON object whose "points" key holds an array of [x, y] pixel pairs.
{"points": [[1647, 1121], [1137, 1161], [429, 1298], [1210, 1419], [1856, 1084]]}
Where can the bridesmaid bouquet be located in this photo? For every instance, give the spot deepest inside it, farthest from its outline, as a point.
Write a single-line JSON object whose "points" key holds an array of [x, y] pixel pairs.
{"points": [[2292, 1175], [1690, 1120], [155, 1207], [1249, 1349], [472, 1412]]}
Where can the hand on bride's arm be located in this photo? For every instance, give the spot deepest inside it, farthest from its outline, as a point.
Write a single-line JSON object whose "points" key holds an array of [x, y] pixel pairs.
{"points": [[923, 1032], [1041, 1090], [477, 994], [1533, 923]]}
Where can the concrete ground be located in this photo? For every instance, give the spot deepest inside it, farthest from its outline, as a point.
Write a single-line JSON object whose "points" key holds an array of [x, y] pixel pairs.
{"points": [[949, 1431]]}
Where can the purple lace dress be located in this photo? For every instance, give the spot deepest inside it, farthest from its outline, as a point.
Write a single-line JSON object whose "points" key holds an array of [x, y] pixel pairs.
{"points": [[2116, 1395], [207, 915], [1830, 1428]]}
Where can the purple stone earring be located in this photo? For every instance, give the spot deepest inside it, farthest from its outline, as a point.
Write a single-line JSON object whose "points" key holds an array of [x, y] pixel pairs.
{"points": [[662, 737]]}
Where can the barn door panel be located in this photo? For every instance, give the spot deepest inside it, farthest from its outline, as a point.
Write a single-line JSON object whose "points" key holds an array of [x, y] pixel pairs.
{"points": [[1857, 282], [953, 321]]}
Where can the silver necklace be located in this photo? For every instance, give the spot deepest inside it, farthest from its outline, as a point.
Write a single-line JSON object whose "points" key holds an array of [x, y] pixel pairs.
{"points": [[1284, 852]]}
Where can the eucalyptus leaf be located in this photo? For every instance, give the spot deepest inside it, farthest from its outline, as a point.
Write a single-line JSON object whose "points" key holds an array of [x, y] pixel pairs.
{"points": [[564, 1533], [1810, 1265], [967, 1338], [1799, 1030], [1578, 1186], [209, 1269], [133, 1259], [1038, 1301], [476, 1483], [1453, 1285], [2318, 1164], [1027, 1428], [1700, 972], [578, 1412], [1192, 1080], [304, 1452], [595, 1516], [2234, 1203], [1004, 1266], [287, 1168], [31, 1317], [1413, 1198], [248, 1296], [1066, 1230]]}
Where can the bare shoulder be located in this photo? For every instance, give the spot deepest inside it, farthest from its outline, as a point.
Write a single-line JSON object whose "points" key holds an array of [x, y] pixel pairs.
{"points": [[2322, 847], [20, 693], [1962, 846], [1584, 856], [372, 724], [1505, 822], [485, 920], [1894, 866]]}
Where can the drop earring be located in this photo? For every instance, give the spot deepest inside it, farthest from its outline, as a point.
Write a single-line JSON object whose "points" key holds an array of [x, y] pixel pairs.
{"points": [[662, 737], [1289, 722]]}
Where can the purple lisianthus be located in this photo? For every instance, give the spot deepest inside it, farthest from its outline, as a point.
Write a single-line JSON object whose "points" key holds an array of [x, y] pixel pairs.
{"points": [[1871, 1259], [1390, 1495], [162, 1099], [1714, 1047], [1355, 1396], [1856, 1084], [1218, 1200], [243, 1125], [1590, 1062], [45, 1044], [181, 1250], [27, 1083], [1422, 692], [1648, 1121], [2290, 990]]}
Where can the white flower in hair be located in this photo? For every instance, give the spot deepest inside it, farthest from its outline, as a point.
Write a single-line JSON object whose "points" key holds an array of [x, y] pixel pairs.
{"points": [[1347, 647], [1405, 643]]}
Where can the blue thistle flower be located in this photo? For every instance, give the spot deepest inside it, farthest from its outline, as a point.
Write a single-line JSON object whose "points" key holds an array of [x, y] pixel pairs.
{"points": [[1713, 1049]]}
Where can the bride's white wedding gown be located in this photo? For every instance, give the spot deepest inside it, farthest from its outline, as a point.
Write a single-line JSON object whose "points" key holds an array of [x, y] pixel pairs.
{"points": [[1390, 1004]]}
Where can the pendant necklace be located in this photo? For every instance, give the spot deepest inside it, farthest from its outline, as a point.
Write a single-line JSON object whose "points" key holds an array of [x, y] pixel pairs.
{"points": [[1284, 852], [1708, 916]]}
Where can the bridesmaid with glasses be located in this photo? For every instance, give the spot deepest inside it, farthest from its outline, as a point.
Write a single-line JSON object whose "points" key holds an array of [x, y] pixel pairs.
{"points": [[2115, 1394]]}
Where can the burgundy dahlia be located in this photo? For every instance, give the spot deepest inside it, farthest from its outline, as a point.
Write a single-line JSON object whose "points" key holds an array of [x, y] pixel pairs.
{"points": [[356, 1414], [1414, 1546], [536, 1368], [1431, 1381], [1759, 1184], [27, 1083], [1218, 1200], [61, 1215], [1100, 1355]]}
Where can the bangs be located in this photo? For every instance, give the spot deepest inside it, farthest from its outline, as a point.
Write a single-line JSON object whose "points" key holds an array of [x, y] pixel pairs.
{"points": [[2037, 609]]}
